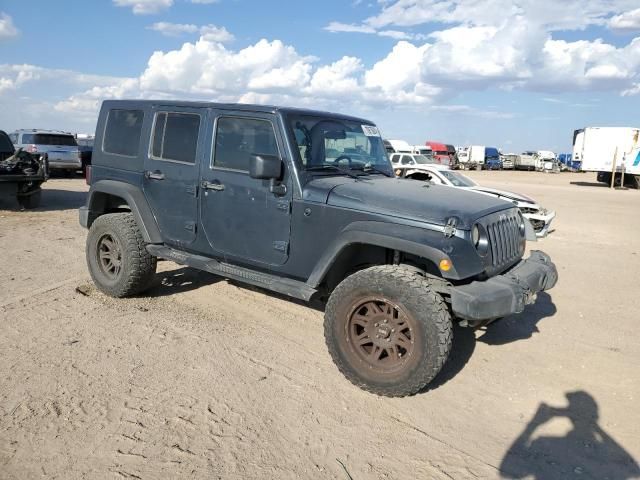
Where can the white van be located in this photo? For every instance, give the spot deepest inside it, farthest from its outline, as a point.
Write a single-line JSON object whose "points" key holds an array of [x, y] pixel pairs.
{"points": [[596, 148], [400, 146]]}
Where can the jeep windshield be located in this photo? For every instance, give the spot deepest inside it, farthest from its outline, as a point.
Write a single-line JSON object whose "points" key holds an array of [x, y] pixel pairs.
{"points": [[338, 146]]}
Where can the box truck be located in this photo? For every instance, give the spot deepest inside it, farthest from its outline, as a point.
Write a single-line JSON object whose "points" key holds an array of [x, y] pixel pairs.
{"points": [[597, 147]]}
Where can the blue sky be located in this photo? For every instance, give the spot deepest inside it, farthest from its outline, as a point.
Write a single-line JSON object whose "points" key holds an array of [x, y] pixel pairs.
{"points": [[519, 74]]}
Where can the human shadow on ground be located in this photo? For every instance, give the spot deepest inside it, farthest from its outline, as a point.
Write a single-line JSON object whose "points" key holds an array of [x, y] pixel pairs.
{"points": [[586, 452]]}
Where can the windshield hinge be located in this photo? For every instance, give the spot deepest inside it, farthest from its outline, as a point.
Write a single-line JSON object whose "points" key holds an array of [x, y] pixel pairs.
{"points": [[451, 227]]}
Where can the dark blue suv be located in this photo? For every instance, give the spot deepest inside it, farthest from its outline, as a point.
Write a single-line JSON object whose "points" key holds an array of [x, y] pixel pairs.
{"points": [[305, 203]]}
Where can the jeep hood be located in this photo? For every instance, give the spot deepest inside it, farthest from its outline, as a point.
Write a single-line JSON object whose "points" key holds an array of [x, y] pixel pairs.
{"points": [[413, 200]]}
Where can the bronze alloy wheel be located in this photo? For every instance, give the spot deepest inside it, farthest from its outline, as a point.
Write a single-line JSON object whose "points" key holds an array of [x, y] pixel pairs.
{"points": [[381, 334], [109, 256]]}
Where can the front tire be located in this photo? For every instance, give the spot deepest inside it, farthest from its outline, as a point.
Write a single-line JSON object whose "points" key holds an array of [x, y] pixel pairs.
{"points": [[387, 331], [118, 260]]}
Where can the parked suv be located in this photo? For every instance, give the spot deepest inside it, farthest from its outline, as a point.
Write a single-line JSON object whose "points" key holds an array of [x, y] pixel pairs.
{"points": [[60, 147], [305, 203]]}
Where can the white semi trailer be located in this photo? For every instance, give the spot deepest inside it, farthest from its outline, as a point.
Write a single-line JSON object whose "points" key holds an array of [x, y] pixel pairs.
{"points": [[598, 147]]}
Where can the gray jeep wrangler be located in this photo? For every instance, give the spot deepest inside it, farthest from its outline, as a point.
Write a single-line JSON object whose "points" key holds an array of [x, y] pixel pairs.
{"points": [[305, 203]]}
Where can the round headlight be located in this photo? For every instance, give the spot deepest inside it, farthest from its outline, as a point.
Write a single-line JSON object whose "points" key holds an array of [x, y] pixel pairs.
{"points": [[475, 235], [480, 239]]}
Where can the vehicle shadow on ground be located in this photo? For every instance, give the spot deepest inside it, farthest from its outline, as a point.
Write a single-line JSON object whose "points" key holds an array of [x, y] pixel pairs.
{"points": [[52, 199], [521, 326], [590, 184], [183, 279], [587, 451], [507, 330]]}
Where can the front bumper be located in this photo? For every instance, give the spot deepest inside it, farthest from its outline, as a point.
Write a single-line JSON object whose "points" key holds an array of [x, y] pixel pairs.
{"points": [[505, 294]]}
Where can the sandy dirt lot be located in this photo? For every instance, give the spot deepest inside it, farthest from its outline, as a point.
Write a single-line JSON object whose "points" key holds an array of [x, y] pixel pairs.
{"points": [[204, 378]]}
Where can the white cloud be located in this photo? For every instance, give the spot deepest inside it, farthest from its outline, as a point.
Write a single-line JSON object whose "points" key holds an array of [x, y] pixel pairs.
{"points": [[633, 90], [626, 22], [173, 29], [212, 33], [348, 27], [144, 7], [7, 28], [209, 32]]}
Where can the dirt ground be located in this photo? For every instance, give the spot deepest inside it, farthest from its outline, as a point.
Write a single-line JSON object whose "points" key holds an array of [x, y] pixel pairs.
{"points": [[204, 378]]}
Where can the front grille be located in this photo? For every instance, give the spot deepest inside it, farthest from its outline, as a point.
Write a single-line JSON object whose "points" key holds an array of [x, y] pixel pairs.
{"points": [[504, 239]]}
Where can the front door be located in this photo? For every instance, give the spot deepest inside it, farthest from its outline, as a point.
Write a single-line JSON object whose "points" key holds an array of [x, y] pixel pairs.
{"points": [[242, 219], [171, 171]]}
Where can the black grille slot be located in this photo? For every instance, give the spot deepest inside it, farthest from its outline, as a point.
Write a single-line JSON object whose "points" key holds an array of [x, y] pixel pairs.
{"points": [[504, 239]]}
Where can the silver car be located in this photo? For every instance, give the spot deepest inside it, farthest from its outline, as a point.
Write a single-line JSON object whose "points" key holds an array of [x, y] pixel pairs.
{"points": [[61, 147]]}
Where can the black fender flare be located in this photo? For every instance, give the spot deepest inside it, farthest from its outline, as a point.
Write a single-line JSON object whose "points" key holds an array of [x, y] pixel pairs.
{"points": [[417, 241], [135, 199]]}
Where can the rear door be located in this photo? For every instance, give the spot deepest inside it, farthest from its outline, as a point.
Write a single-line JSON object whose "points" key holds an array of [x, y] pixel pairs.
{"points": [[171, 171]]}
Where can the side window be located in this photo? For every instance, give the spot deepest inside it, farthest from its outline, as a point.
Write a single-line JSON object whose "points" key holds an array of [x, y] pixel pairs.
{"points": [[238, 138], [27, 138], [175, 136], [395, 158], [122, 132], [407, 160]]}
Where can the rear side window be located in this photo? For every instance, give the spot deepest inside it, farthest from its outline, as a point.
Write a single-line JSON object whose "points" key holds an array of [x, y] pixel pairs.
{"points": [[54, 139], [28, 138], [238, 138], [122, 132], [175, 136]]}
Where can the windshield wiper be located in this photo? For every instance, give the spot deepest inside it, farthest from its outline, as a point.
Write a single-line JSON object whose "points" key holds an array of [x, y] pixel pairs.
{"points": [[319, 168], [368, 167]]}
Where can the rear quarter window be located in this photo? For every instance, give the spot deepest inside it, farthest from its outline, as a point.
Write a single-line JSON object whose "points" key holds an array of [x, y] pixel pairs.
{"points": [[175, 136], [122, 132]]}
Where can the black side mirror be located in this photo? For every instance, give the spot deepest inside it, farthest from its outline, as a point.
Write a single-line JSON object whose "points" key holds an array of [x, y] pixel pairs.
{"points": [[265, 167]]}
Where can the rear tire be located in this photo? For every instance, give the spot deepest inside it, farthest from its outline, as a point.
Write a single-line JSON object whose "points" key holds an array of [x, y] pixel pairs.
{"points": [[118, 260], [387, 331]]}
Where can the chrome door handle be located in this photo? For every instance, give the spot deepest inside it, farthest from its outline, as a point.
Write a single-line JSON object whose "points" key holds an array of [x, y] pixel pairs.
{"points": [[212, 186], [154, 175]]}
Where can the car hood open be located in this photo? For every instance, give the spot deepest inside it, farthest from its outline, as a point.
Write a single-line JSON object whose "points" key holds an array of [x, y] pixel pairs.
{"points": [[421, 201]]}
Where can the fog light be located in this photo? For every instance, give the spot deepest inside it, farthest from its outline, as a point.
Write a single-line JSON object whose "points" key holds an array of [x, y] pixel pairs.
{"points": [[445, 265]]}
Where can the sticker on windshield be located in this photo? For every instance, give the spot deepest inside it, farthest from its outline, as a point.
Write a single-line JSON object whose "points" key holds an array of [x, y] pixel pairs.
{"points": [[370, 131]]}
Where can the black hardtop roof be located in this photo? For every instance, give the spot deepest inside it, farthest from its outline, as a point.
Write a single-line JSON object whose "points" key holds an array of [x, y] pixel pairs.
{"points": [[244, 107]]}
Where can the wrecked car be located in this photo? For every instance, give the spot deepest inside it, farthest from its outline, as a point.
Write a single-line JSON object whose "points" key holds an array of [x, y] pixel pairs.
{"points": [[21, 173], [539, 217]]}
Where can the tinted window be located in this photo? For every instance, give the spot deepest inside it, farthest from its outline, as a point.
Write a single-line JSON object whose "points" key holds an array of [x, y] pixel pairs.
{"points": [[54, 139], [238, 138], [122, 133], [406, 160], [27, 138], [175, 136]]}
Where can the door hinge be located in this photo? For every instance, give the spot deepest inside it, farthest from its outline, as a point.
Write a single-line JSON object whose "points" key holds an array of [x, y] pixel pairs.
{"points": [[284, 206], [281, 246], [191, 226]]}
